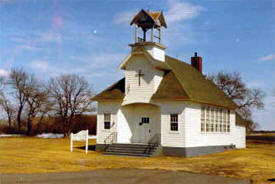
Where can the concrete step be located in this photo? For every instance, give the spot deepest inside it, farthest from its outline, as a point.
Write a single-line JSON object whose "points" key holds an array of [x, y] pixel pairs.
{"points": [[141, 150], [127, 154], [137, 149], [129, 145], [129, 151]]}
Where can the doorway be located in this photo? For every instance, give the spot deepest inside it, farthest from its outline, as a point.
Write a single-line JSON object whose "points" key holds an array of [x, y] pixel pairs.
{"points": [[144, 130]]}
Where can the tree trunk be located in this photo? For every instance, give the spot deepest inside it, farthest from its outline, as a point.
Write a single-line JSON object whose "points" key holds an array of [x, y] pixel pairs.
{"points": [[9, 119], [19, 119], [29, 125], [64, 128]]}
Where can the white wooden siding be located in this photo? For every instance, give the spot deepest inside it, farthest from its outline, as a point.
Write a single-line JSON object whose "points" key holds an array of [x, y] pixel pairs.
{"points": [[156, 52], [103, 108], [129, 117], [157, 79], [125, 120], [240, 134], [148, 83], [172, 138], [194, 137]]}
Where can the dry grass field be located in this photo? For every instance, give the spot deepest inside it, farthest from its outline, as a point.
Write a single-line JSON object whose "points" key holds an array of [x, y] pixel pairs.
{"points": [[33, 155]]}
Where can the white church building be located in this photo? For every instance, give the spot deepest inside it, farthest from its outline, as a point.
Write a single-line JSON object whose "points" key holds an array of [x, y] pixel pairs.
{"points": [[164, 105]]}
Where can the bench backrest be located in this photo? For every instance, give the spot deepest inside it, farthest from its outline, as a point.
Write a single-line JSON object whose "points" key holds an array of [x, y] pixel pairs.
{"points": [[82, 135]]}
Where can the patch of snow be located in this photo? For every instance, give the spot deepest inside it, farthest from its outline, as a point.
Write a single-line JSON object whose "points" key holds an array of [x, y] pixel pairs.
{"points": [[92, 137], [10, 135], [50, 136]]}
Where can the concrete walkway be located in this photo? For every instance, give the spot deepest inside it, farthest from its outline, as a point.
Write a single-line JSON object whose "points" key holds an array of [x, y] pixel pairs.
{"points": [[119, 176]]}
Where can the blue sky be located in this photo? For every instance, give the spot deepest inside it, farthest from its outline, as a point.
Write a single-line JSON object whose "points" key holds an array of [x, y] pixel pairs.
{"points": [[91, 37]]}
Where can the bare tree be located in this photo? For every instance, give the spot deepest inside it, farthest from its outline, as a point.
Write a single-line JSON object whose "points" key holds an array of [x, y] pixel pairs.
{"points": [[45, 109], [8, 107], [231, 84], [37, 97], [2, 83], [18, 81], [245, 98], [71, 95]]}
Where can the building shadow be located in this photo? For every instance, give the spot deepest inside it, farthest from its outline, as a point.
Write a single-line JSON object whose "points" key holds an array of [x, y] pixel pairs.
{"points": [[90, 147], [271, 179]]}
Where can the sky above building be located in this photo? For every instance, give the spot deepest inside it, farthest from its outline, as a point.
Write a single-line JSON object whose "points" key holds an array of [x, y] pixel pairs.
{"points": [[91, 37]]}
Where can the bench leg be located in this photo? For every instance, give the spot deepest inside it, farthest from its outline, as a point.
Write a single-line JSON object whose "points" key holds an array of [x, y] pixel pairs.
{"points": [[71, 142]]}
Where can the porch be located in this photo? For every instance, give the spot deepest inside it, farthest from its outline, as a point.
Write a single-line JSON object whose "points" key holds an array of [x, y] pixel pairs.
{"points": [[136, 131], [138, 123]]}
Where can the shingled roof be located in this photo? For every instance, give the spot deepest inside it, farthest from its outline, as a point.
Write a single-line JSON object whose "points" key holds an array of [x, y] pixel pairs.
{"points": [[114, 92], [181, 82], [196, 86], [170, 87], [153, 16]]}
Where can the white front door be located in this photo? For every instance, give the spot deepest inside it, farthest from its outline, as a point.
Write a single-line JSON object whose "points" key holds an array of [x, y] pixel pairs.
{"points": [[144, 130]]}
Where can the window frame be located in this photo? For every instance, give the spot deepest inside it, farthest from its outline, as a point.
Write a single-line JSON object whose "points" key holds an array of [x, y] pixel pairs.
{"points": [[215, 119], [106, 122], [207, 128], [174, 122], [228, 121], [145, 120], [203, 128]]}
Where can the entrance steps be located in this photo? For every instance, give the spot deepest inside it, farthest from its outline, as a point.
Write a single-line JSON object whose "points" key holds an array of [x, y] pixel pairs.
{"points": [[137, 150]]}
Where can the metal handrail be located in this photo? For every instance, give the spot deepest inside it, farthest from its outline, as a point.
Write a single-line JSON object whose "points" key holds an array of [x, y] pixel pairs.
{"points": [[152, 143], [154, 139], [111, 138]]}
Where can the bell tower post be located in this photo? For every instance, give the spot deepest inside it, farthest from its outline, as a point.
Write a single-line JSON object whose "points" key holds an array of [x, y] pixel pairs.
{"points": [[146, 20]]}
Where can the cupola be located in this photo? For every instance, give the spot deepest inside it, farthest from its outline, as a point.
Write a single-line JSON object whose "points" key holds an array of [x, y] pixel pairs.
{"points": [[153, 22]]}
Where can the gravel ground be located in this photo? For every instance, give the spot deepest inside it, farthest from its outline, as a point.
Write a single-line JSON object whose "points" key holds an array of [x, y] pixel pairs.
{"points": [[119, 176]]}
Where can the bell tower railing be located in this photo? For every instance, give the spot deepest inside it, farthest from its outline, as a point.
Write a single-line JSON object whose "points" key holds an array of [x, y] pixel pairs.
{"points": [[153, 36]]}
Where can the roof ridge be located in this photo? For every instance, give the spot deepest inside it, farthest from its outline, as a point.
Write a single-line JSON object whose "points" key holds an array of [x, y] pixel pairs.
{"points": [[197, 87], [111, 88], [153, 61], [167, 76]]}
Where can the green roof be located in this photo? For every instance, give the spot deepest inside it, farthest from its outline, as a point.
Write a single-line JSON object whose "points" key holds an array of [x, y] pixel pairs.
{"points": [[182, 82], [170, 87], [197, 87], [114, 92]]}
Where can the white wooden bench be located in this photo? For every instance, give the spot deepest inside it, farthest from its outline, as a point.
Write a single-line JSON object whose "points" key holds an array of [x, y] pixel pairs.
{"points": [[80, 136]]}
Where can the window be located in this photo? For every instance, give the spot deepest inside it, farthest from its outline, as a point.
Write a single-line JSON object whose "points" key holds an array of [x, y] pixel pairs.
{"points": [[224, 121], [174, 122], [202, 119], [215, 119], [228, 121], [207, 119], [107, 121], [212, 120], [220, 120], [145, 120]]}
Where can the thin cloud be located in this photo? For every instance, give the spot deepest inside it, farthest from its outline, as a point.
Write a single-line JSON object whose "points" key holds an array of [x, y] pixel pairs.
{"points": [[176, 16], [124, 18], [104, 60], [3, 73], [267, 58], [176, 12], [40, 65], [179, 11], [82, 64]]}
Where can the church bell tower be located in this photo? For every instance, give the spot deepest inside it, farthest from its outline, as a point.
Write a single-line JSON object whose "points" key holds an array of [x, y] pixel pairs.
{"points": [[152, 22]]}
